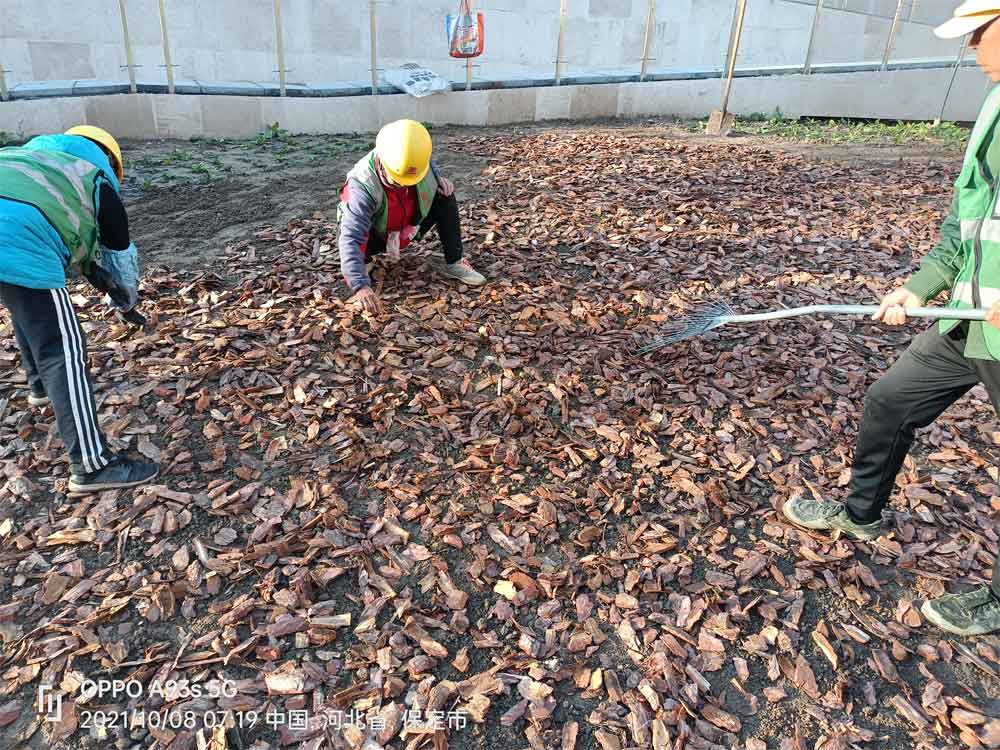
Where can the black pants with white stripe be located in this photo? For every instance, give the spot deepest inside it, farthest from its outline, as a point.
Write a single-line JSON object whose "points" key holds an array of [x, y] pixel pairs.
{"points": [[54, 353]]}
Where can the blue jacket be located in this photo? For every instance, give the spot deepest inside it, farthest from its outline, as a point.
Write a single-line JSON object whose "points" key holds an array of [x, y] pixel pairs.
{"points": [[32, 254]]}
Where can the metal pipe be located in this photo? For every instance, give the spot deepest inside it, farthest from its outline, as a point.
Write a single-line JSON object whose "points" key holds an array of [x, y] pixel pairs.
{"points": [[734, 47], [129, 60], [165, 36], [807, 66], [892, 33], [374, 36], [935, 313], [650, 21], [954, 73], [4, 94], [280, 37], [561, 40]]}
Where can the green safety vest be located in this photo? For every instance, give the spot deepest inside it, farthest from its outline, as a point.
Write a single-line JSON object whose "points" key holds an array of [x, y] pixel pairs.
{"points": [[367, 176], [61, 186], [978, 282]]}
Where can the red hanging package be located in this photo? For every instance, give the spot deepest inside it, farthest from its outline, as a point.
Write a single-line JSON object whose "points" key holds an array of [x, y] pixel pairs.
{"points": [[465, 32]]}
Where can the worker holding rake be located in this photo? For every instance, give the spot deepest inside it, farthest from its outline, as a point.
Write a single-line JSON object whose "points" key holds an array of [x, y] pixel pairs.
{"points": [[60, 211], [393, 195], [946, 361]]}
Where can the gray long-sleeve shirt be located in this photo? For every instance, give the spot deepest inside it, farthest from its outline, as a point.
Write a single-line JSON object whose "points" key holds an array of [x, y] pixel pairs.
{"points": [[357, 210]]}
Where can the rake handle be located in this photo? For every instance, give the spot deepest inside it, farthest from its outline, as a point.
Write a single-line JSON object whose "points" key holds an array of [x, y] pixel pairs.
{"points": [[946, 313]]}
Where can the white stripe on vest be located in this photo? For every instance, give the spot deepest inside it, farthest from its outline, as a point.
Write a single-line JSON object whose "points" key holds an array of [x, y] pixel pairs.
{"points": [[988, 295]]}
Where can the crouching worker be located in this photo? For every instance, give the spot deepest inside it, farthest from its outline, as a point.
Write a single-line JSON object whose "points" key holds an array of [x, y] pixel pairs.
{"points": [[60, 211], [393, 195]]}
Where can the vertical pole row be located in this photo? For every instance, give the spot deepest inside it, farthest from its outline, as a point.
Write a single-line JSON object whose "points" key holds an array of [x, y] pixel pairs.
{"points": [[647, 42], [280, 38], [807, 65], [374, 36], [165, 36], [892, 33], [129, 59], [560, 42], [734, 47]]}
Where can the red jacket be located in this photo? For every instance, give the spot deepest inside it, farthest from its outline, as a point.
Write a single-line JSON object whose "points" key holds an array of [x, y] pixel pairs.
{"points": [[401, 203]]}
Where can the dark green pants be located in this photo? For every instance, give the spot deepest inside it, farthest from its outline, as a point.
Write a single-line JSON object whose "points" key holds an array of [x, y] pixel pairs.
{"points": [[928, 378]]}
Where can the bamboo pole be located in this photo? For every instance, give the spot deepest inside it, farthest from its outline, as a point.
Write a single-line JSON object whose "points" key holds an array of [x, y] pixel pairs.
{"points": [[165, 36], [954, 72], [560, 42], [280, 38], [807, 66], [468, 60], [374, 36], [4, 94], [129, 59], [647, 42], [892, 33]]}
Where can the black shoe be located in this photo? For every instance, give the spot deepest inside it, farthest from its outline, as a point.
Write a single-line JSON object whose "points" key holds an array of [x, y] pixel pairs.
{"points": [[38, 397], [121, 472]]}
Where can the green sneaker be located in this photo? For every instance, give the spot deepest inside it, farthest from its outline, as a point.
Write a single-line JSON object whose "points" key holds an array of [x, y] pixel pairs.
{"points": [[974, 613], [827, 514]]}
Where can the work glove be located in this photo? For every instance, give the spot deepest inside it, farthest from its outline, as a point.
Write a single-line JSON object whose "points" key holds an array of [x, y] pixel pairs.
{"points": [[116, 273], [395, 240]]}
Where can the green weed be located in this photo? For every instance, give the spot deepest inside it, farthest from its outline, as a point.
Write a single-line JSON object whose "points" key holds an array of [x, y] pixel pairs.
{"points": [[178, 156], [273, 132], [844, 131]]}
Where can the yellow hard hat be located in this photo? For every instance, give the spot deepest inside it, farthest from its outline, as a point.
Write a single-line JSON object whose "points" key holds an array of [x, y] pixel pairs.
{"points": [[404, 149], [104, 139]]}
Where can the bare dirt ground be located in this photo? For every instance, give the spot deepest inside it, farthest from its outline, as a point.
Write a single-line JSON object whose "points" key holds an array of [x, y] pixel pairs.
{"points": [[483, 503]]}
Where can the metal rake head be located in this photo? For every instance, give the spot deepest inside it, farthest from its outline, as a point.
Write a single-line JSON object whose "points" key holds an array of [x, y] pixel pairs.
{"points": [[689, 326]]}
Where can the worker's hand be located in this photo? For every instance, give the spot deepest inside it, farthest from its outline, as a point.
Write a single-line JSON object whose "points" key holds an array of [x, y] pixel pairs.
{"points": [[993, 316], [445, 186], [368, 301], [892, 311]]}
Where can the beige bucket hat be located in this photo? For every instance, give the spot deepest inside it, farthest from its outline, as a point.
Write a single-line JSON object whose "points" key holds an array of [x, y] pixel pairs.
{"points": [[968, 17]]}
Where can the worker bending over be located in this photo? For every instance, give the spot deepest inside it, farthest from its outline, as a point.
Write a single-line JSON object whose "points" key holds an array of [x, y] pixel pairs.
{"points": [[393, 195], [60, 210]]}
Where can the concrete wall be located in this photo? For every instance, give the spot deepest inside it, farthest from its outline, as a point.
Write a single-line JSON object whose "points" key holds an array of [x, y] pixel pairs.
{"points": [[909, 94], [328, 40]]}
